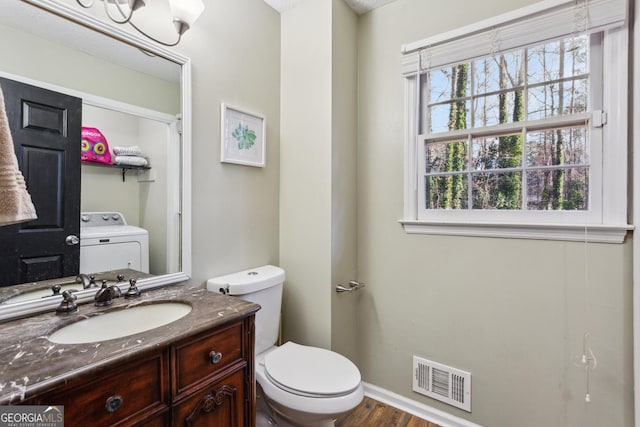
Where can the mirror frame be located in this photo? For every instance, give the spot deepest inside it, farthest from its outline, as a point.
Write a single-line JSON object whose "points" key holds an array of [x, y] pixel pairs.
{"points": [[78, 17]]}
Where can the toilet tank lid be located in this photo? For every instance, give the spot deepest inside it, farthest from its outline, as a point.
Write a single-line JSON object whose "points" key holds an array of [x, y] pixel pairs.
{"points": [[247, 281]]}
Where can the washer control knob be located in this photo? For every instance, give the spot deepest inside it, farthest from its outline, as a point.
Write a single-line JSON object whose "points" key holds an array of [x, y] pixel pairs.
{"points": [[115, 217], [85, 218], [105, 217]]}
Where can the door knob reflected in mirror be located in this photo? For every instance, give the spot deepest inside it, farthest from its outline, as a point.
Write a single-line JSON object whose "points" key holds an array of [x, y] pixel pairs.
{"points": [[72, 240]]}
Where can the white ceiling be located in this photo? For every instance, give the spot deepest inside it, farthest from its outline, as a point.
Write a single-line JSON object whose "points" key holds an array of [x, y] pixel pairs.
{"points": [[359, 6]]}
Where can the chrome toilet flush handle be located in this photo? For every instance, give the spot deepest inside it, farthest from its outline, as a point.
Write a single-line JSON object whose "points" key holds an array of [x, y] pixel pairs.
{"points": [[353, 286]]}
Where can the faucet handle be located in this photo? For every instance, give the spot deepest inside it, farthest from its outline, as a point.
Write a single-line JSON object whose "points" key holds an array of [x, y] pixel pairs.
{"points": [[56, 289], [68, 304], [133, 290], [115, 290]]}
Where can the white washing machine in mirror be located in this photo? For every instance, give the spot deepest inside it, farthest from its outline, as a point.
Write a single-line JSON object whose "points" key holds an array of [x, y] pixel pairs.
{"points": [[107, 243]]}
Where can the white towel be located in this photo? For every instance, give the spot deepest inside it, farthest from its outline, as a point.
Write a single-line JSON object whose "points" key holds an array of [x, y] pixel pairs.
{"points": [[132, 150], [131, 161], [15, 202]]}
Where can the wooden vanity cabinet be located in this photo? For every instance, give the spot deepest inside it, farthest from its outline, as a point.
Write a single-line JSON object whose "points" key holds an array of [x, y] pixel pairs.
{"points": [[203, 380]]}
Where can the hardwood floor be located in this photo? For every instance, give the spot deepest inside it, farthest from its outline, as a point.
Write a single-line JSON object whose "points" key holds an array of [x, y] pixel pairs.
{"points": [[371, 413]]}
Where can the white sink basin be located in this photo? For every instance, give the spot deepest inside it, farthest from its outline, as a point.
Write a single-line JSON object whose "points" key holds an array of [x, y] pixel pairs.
{"points": [[120, 323]]}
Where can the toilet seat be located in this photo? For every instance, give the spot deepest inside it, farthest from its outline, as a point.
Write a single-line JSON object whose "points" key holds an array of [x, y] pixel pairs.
{"points": [[311, 371]]}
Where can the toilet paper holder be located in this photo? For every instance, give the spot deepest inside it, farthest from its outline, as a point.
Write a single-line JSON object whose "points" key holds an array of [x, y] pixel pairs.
{"points": [[353, 286]]}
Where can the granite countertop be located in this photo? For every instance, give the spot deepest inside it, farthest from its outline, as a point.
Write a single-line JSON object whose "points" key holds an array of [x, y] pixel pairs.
{"points": [[31, 364]]}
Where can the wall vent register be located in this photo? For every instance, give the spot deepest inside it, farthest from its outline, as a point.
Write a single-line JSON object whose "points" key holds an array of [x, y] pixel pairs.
{"points": [[443, 383]]}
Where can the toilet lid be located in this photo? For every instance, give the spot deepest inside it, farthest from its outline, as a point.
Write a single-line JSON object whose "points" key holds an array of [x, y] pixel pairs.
{"points": [[311, 371]]}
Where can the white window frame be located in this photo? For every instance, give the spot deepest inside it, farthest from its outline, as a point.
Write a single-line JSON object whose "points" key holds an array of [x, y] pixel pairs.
{"points": [[608, 224]]}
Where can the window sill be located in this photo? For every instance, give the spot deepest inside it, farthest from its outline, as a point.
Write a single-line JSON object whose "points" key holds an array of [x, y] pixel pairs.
{"points": [[563, 232]]}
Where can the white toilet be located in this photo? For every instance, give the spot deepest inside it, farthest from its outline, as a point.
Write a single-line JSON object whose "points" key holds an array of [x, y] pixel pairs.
{"points": [[297, 385]]}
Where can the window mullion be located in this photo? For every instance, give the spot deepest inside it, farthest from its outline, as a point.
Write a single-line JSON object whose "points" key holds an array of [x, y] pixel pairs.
{"points": [[525, 169], [469, 172]]}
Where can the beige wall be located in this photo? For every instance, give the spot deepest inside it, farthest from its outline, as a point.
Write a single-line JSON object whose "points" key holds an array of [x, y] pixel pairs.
{"points": [[305, 174], [234, 48], [511, 312], [318, 173], [344, 105]]}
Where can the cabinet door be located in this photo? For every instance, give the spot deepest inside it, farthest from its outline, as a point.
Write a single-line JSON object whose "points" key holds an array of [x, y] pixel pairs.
{"points": [[219, 404]]}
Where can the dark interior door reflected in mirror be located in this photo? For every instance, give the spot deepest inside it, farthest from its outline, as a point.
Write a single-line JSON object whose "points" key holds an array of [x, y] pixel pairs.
{"points": [[45, 130]]}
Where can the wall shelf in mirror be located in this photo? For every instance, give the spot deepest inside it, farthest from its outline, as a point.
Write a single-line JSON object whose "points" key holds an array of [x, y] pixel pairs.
{"points": [[124, 168]]}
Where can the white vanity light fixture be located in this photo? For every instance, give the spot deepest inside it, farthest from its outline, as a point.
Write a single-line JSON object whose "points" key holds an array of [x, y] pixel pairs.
{"points": [[185, 13]]}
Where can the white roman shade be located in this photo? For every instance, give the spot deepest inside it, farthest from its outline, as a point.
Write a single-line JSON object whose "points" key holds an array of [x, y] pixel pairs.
{"points": [[546, 20]]}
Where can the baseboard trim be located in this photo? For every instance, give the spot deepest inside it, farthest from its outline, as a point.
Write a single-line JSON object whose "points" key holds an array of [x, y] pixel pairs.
{"points": [[415, 408]]}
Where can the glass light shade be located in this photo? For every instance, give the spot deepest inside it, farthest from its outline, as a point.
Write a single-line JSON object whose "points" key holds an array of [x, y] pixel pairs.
{"points": [[186, 11]]}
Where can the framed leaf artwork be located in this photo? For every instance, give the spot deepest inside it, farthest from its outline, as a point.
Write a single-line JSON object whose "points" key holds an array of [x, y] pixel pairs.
{"points": [[243, 137]]}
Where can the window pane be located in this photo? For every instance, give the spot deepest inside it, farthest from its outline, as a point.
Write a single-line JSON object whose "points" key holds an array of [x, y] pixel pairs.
{"points": [[494, 109], [446, 156], [498, 72], [555, 147], [446, 192], [449, 116], [440, 85], [558, 189], [576, 56], [497, 190], [558, 98], [449, 83], [497, 152], [557, 60]]}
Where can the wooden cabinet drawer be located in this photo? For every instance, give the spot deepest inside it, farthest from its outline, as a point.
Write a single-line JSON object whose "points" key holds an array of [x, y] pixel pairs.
{"points": [[133, 393], [200, 359]]}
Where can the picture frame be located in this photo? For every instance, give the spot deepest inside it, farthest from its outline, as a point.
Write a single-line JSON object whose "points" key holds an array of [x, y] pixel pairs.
{"points": [[242, 139]]}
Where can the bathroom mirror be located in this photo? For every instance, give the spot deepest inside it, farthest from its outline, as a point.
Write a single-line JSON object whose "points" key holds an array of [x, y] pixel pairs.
{"points": [[53, 20]]}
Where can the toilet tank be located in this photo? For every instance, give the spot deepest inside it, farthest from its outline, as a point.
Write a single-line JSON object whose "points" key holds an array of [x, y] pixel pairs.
{"points": [[261, 285]]}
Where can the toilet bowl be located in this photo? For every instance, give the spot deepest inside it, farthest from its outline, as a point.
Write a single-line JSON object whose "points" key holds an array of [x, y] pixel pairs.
{"points": [[298, 385], [307, 386]]}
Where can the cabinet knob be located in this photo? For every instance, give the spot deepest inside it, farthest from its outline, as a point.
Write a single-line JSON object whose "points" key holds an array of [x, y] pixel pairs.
{"points": [[113, 403], [215, 357]]}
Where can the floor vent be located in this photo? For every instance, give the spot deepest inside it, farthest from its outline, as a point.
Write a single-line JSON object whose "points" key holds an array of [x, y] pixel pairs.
{"points": [[443, 383]]}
